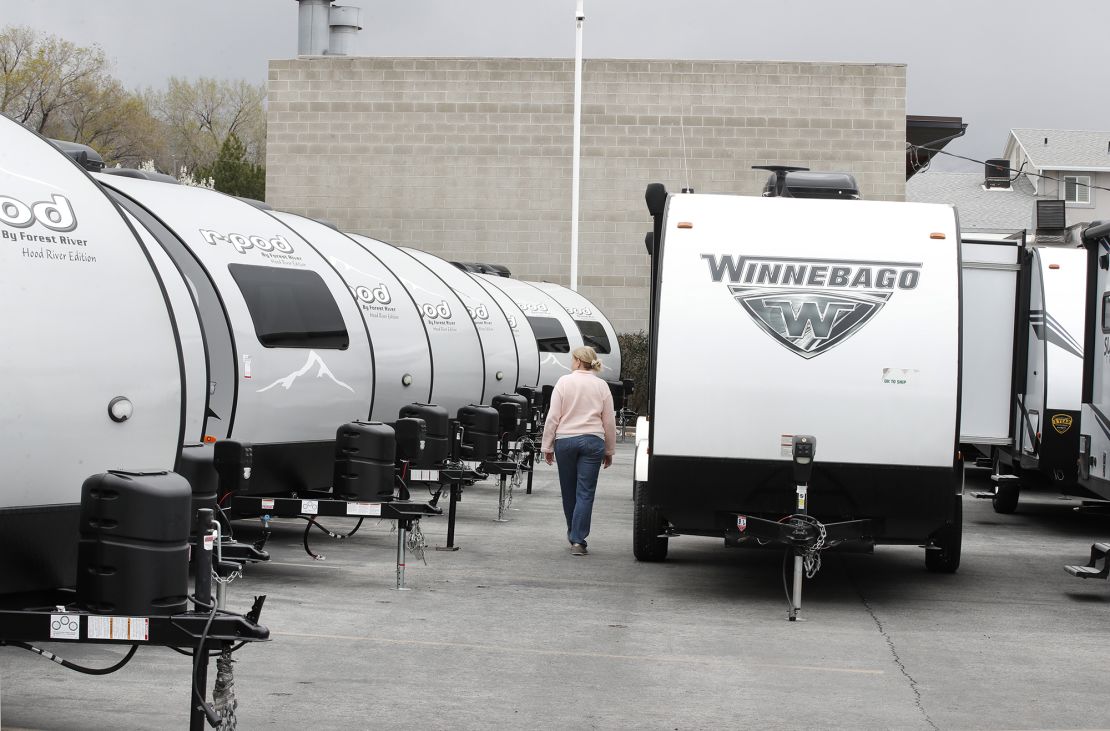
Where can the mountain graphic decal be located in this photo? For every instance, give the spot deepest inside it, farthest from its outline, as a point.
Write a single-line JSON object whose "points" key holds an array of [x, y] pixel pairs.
{"points": [[313, 360]]}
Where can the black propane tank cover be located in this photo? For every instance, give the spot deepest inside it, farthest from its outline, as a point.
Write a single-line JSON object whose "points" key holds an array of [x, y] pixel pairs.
{"points": [[133, 552], [530, 393], [480, 431], [545, 396], [364, 455], [514, 422], [437, 441], [234, 462], [411, 435], [196, 465], [616, 388]]}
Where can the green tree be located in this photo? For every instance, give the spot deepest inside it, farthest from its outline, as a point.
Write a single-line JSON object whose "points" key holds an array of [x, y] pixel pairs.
{"points": [[199, 117], [234, 173]]}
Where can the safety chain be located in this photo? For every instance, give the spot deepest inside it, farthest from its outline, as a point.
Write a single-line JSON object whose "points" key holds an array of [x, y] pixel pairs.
{"points": [[811, 557], [223, 692], [417, 542], [236, 574]]}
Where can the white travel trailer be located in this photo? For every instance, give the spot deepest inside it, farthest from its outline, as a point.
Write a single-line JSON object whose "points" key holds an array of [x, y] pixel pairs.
{"points": [[103, 389], [458, 374], [775, 317], [555, 331], [527, 349], [288, 351], [1033, 441], [499, 354], [398, 337], [593, 326], [1094, 422]]}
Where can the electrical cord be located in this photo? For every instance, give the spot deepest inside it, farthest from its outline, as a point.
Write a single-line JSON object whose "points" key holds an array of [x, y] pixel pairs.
{"points": [[331, 534], [1007, 168], [72, 665]]}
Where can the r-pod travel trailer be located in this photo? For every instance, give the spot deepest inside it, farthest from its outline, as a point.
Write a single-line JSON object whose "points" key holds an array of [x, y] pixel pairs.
{"points": [[93, 371], [774, 317], [592, 325]]}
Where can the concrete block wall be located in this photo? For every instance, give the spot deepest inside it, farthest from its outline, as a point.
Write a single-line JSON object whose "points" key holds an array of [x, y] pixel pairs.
{"points": [[470, 159]]}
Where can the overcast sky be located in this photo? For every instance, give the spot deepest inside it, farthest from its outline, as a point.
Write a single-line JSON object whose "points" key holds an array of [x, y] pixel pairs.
{"points": [[996, 63]]}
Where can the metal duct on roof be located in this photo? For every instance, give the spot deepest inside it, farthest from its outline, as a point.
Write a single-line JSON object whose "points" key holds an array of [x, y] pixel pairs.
{"points": [[344, 20], [312, 27]]}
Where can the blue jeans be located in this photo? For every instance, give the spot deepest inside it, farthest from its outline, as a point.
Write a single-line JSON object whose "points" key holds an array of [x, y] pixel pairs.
{"points": [[579, 460]]}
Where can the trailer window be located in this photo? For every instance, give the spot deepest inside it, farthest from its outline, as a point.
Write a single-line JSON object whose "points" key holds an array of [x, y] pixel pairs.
{"points": [[593, 334], [550, 335], [1106, 312], [291, 308]]}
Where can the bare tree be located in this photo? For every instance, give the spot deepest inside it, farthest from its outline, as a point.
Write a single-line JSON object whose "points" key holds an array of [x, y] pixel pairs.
{"points": [[201, 115]]}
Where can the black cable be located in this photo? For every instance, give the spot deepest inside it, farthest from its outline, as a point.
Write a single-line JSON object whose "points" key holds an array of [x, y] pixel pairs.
{"points": [[331, 534], [214, 718], [1007, 167], [211, 653], [71, 665]]}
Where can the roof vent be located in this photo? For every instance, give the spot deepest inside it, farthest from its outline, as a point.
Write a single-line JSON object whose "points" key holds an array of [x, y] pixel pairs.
{"points": [[345, 24], [997, 173]]}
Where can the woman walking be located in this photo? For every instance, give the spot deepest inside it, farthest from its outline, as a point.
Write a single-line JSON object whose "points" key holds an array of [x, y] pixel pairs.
{"points": [[580, 433]]}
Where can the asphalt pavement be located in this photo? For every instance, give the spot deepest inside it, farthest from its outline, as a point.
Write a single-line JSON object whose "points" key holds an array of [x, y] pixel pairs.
{"points": [[512, 631]]}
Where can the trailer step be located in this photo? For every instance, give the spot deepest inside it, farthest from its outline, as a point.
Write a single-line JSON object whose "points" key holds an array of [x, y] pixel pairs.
{"points": [[983, 495], [1098, 567], [1005, 478], [986, 462]]}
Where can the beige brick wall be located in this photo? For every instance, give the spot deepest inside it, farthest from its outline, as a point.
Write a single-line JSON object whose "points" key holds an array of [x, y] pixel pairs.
{"points": [[470, 159]]}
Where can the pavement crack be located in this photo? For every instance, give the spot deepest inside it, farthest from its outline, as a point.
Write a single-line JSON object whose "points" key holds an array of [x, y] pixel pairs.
{"points": [[914, 687]]}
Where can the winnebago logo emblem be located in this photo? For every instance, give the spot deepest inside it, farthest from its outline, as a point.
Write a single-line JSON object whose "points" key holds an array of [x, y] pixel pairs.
{"points": [[811, 305], [1061, 423]]}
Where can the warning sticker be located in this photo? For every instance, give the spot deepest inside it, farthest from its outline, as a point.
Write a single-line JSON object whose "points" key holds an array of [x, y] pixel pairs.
{"points": [[786, 445], [425, 475], [899, 376], [65, 627], [310, 507], [134, 629], [267, 504], [364, 508]]}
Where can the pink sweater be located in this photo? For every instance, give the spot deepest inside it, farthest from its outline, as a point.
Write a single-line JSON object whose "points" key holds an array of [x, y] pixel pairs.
{"points": [[580, 404]]}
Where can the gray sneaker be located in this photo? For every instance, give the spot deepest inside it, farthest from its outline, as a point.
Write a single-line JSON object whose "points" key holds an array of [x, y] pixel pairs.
{"points": [[577, 549]]}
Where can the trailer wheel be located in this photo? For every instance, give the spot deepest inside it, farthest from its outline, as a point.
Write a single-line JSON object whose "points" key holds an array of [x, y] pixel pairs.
{"points": [[1006, 496], [647, 524], [945, 558]]}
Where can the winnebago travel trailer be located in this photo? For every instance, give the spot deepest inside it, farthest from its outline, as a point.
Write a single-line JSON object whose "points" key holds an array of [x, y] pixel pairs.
{"points": [[289, 356], [593, 326], [789, 316], [103, 387], [555, 331]]}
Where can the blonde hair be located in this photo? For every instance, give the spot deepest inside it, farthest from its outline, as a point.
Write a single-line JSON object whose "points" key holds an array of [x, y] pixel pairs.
{"points": [[587, 356]]}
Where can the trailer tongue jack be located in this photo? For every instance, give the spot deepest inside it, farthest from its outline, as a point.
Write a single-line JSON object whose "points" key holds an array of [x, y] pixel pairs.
{"points": [[801, 533]]}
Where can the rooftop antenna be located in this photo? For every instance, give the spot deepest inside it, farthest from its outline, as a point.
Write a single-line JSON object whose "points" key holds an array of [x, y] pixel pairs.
{"points": [[576, 164], [685, 164]]}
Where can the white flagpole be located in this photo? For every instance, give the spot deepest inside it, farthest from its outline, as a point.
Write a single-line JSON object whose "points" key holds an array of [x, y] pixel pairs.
{"points": [[576, 171]]}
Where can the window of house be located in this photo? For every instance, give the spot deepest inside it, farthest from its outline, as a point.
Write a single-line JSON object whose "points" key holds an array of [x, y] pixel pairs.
{"points": [[291, 308], [1077, 188]]}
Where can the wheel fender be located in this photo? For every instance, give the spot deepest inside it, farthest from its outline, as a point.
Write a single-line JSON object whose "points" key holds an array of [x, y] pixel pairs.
{"points": [[640, 465]]}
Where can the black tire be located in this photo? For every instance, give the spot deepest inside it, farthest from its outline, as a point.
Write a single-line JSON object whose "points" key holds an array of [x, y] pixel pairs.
{"points": [[945, 558], [647, 524]]}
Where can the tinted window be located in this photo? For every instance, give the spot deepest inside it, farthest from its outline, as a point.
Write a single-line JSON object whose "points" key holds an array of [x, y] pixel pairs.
{"points": [[1106, 313], [593, 334], [291, 308], [550, 335]]}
